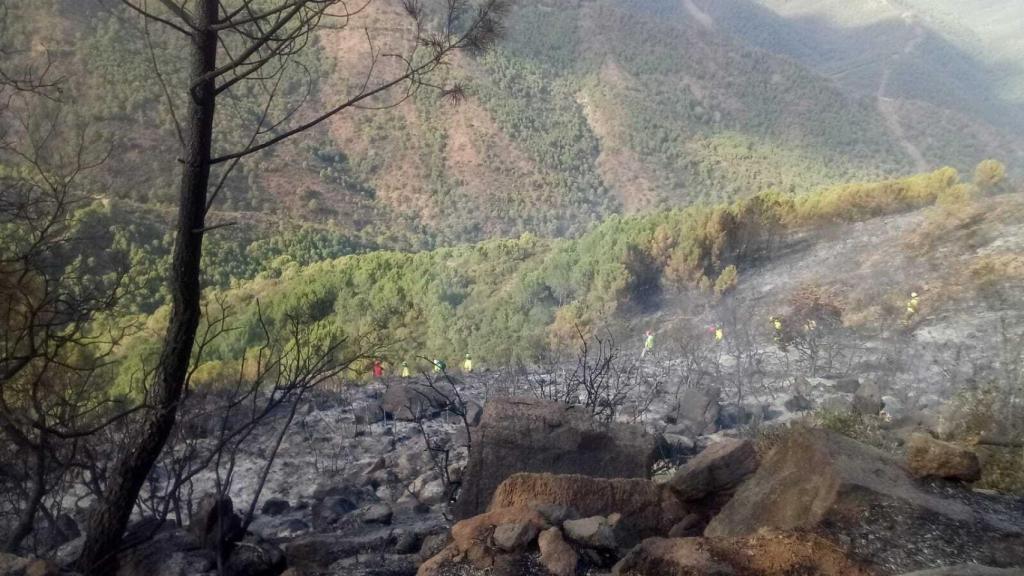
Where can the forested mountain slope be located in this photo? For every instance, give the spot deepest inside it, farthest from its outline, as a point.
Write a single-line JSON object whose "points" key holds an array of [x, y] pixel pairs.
{"points": [[585, 109]]}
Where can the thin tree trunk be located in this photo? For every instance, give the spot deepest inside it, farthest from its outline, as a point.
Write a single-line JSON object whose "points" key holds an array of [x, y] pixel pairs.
{"points": [[28, 515], [110, 516]]}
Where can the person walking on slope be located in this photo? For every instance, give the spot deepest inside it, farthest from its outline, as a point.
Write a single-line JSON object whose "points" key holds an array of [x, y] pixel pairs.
{"points": [[467, 364], [378, 368], [439, 366], [405, 370], [648, 344], [912, 306], [717, 332]]}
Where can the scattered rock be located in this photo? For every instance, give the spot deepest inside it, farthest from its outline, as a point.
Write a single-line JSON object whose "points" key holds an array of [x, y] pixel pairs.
{"points": [[529, 435], [275, 506], [928, 457], [377, 514], [720, 468], [514, 537], [474, 412], [592, 532], [862, 499], [471, 537], [671, 557], [555, 554]]}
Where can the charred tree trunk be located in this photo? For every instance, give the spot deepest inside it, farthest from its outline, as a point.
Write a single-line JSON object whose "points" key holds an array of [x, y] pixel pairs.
{"points": [[35, 497], [110, 516]]}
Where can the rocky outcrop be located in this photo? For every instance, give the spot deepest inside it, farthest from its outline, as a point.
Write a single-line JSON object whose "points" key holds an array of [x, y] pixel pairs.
{"points": [[858, 496], [646, 509], [969, 570], [928, 457], [529, 435], [764, 554], [720, 468]]}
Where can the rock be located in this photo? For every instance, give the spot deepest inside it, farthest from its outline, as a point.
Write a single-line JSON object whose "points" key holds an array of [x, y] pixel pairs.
{"points": [[514, 537], [315, 552], [170, 552], [214, 522], [275, 506], [369, 413], [406, 542], [697, 412], [377, 514], [969, 570], [556, 555], [411, 401], [671, 557], [720, 468], [861, 498], [429, 489], [332, 504], [868, 399], [592, 532], [471, 537], [11, 565], [679, 443], [842, 403], [765, 554], [555, 514], [252, 557], [928, 457], [474, 412], [529, 435], [848, 385], [893, 407], [798, 403], [646, 508], [375, 565], [691, 525], [433, 544]]}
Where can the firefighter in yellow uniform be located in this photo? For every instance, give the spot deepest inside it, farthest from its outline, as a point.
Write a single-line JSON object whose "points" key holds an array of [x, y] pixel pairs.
{"points": [[912, 306], [405, 370], [719, 333], [467, 364]]}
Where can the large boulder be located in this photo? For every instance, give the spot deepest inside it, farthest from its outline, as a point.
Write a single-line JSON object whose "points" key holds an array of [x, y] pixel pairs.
{"points": [[646, 509], [928, 457], [409, 402], [214, 522], [529, 435], [719, 468], [313, 552], [696, 412], [861, 497], [764, 554]]}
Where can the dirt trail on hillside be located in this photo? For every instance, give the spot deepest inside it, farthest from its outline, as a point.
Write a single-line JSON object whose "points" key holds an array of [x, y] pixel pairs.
{"points": [[887, 106]]}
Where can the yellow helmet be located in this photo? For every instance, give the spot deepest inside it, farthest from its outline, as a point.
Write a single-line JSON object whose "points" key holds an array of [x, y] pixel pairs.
{"points": [[913, 294]]}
